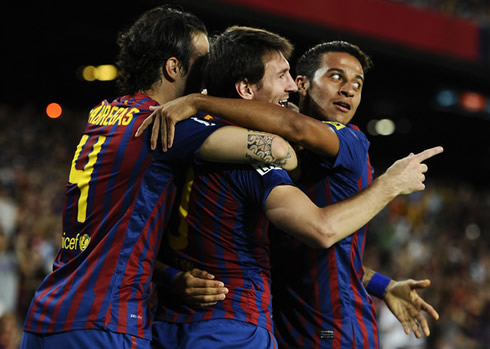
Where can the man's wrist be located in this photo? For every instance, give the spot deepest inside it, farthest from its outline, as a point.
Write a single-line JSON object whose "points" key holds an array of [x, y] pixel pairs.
{"points": [[168, 275], [385, 182], [377, 285]]}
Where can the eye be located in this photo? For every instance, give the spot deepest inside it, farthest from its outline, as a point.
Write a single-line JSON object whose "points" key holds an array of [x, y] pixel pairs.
{"points": [[357, 85], [336, 76]]}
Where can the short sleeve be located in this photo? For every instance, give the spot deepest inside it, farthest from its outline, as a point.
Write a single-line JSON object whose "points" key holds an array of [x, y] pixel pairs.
{"points": [[353, 148], [190, 134]]}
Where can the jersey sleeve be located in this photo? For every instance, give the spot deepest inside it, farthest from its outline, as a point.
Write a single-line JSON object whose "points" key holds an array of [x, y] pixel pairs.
{"points": [[259, 181], [190, 134], [353, 148]]}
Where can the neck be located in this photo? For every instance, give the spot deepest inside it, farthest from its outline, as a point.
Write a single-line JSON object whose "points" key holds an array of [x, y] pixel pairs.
{"points": [[162, 92]]}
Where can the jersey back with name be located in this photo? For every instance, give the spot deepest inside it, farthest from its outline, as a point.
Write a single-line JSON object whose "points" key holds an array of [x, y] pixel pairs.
{"points": [[320, 300], [221, 228], [118, 200]]}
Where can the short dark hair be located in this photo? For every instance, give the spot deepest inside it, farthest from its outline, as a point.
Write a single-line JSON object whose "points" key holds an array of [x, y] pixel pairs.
{"points": [[238, 53], [310, 61], [145, 47]]}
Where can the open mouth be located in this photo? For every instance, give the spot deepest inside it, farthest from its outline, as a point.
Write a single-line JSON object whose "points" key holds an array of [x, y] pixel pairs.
{"points": [[343, 106], [283, 103]]}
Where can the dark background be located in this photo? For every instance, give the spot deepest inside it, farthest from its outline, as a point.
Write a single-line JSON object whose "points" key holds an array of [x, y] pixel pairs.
{"points": [[45, 43]]}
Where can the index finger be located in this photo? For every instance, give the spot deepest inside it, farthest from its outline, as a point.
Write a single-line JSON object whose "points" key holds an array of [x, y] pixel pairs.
{"points": [[428, 153], [144, 125], [429, 309], [203, 283]]}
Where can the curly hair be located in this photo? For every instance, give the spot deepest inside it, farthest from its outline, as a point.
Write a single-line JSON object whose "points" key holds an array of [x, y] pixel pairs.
{"points": [[310, 61], [145, 47]]}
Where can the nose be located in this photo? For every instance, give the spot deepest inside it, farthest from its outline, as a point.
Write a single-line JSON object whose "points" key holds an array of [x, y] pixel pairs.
{"points": [[291, 84], [346, 90]]}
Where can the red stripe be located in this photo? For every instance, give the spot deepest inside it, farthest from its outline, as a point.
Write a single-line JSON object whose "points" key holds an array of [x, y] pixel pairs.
{"points": [[335, 297], [354, 283], [105, 277], [135, 260]]}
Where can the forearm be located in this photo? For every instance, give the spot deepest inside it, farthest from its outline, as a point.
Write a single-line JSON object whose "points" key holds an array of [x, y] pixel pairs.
{"points": [[256, 115], [366, 277], [268, 117], [292, 211], [375, 283], [348, 216]]}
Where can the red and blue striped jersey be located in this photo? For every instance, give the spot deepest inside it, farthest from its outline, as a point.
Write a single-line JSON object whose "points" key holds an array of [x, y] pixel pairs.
{"points": [[221, 228], [319, 298], [118, 200]]}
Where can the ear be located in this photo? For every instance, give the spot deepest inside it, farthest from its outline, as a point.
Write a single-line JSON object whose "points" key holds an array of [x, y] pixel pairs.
{"points": [[171, 69], [303, 85], [244, 89]]}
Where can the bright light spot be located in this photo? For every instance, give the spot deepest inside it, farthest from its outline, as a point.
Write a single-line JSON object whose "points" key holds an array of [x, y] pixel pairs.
{"points": [[446, 98], [106, 72], [472, 231], [89, 73], [385, 127], [53, 110], [473, 101]]}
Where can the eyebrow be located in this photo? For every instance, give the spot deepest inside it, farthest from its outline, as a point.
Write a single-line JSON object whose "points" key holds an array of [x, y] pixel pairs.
{"points": [[342, 71]]}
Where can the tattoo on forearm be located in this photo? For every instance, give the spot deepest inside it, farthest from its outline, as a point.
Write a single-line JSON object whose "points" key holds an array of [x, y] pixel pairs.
{"points": [[260, 145]]}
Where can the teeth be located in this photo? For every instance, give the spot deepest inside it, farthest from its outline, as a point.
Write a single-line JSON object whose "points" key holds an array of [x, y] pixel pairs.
{"points": [[283, 102]]}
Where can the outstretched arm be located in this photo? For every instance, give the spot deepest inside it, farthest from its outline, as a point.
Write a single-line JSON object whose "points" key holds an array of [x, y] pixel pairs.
{"points": [[292, 211], [268, 117], [402, 299]]}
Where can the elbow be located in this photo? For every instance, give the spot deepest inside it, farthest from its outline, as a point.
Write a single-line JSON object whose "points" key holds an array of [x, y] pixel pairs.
{"points": [[324, 237], [283, 154]]}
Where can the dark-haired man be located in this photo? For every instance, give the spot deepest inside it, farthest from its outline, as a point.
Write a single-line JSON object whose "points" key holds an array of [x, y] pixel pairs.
{"points": [[335, 166], [221, 228], [120, 193]]}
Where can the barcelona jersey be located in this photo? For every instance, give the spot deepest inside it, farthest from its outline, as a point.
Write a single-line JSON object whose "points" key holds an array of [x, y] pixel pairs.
{"points": [[118, 200], [221, 228], [319, 298]]}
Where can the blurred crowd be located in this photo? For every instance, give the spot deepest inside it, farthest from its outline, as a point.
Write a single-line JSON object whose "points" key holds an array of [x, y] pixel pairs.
{"points": [[473, 10], [440, 234]]}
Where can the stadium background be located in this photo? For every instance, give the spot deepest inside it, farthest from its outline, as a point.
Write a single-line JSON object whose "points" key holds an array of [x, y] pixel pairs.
{"points": [[430, 86]]}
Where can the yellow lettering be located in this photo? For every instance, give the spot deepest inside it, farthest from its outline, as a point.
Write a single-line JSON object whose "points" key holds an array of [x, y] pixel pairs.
{"points": [[127, 119], [117, 117], [103, 113], [113, 111], [94, 112]]}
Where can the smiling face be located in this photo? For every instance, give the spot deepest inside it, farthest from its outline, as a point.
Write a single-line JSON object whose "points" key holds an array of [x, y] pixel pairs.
{"points": [[334, 92], [277, 83]]}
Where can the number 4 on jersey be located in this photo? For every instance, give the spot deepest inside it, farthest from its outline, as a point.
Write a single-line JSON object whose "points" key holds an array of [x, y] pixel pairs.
{"points": [[82, 177]]}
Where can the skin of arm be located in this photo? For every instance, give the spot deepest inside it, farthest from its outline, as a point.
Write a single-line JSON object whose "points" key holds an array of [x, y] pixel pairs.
{"points": [[268, 117], [402, 299], [292, 211], [258, 115], [233, 144]]}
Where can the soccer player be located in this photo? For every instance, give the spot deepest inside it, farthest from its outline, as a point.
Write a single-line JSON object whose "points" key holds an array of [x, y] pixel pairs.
{"points": [[221, 226], [337, 166], [120, 193]]}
